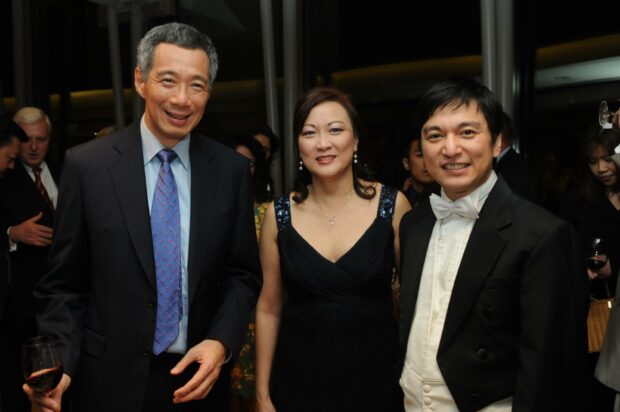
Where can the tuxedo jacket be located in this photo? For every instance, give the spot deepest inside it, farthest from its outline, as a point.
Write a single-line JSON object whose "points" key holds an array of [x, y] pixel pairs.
{"points": [[516, 321], [519, 175], [21, 200], [99, 297]]}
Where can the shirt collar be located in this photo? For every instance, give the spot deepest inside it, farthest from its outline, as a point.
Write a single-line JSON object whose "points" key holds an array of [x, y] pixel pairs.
{"points": [[151, 146], [478, 196], [43, 167]]}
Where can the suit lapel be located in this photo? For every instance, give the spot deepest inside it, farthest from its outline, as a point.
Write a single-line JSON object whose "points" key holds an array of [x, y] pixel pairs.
{"points": [[204, 182], [418, 234], [129, 182], [482, 251]]}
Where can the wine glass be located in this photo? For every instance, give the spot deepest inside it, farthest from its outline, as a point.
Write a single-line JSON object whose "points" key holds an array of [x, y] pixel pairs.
{"points": [[42, 366], [597, 259], [605, 116]]}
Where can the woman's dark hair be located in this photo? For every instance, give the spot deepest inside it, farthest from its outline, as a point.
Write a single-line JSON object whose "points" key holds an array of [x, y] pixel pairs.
{"points": [[274, 142], [259, 178], [460, 91], [304, 106], [591, 188]]}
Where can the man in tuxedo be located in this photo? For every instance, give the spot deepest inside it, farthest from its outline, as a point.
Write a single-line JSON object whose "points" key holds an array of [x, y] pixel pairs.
{"points": [[27, 201], [493, 300], [515, 170], [154, 264]]}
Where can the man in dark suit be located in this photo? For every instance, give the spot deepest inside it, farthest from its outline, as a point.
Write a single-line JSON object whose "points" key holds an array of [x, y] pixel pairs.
{"points": [[493, 299], [515, 170], [154, 264], [10, 137], [27, 200]]}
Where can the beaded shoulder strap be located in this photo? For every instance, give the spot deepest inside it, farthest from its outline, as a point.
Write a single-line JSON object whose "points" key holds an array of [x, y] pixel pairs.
{"points": [[282, 206], [387, 202]]}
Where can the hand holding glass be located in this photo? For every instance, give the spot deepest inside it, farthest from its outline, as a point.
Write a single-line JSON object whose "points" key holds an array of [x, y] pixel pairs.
{"points": [[41, 363]]}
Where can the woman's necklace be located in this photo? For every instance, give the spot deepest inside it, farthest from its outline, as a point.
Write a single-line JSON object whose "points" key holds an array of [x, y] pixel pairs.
{"points": [[332, 218]]}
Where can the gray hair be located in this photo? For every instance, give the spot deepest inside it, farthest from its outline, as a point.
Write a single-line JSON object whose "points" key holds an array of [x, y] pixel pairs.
{"points": [[181, 35], [32, 115]]}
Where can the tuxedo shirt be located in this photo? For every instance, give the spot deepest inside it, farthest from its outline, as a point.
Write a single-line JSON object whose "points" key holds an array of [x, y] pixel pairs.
{"points": [[423, 385]]}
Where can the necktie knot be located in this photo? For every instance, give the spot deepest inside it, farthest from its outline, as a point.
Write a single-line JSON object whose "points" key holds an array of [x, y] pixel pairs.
{"points": [[443, 208], [37, 170], [167, 155]]}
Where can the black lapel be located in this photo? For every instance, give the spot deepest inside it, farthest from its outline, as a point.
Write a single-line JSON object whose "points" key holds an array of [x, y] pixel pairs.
{"points": [[482, 251], [129, 182], [203, 190], [415, 233]]}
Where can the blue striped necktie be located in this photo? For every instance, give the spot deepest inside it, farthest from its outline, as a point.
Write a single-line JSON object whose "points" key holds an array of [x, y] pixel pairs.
{"points": [[166, 231]]}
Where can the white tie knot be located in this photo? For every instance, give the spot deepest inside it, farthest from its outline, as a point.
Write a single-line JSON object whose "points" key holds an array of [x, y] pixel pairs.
{"points": [[443, 208]]}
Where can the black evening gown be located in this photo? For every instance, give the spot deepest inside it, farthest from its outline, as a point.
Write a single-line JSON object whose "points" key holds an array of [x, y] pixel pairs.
{"points": [[337, 344]]}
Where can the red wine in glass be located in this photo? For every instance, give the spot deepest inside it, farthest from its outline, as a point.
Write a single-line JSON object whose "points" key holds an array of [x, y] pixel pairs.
{"points": [[595, 264], [41, 363]]}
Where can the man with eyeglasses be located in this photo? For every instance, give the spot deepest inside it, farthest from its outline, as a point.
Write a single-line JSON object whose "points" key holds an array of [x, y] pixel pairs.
{"points": [[27, 202]]}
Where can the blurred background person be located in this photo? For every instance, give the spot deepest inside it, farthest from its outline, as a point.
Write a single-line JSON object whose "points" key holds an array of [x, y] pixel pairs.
{"points": [[264, 183], [420, 184], [326, 335], [515, 170], [27, 203], [593, 209], [243, 372], [10, 137]]}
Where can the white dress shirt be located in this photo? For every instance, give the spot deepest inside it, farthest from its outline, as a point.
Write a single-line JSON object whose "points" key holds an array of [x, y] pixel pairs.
{"points": [[47, 180], [182, 176], [421, 380]]}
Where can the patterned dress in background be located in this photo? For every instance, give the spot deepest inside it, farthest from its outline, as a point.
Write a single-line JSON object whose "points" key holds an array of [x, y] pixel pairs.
{"points": [[243, 375]]}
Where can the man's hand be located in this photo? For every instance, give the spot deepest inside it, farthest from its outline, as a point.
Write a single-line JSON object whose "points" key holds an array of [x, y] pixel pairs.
{"points": [[210, 354], [31, 233], [48, 401], [602, 273]]}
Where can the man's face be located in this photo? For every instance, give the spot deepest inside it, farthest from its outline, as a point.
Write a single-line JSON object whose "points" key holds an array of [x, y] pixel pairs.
{"points": [[8, 154], [457, 148], [175, 91], [33, 151]]}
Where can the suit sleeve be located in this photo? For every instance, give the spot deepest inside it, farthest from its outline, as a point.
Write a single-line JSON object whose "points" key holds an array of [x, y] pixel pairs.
{"points": [[62, 291], [553, 341], [242, 273]]}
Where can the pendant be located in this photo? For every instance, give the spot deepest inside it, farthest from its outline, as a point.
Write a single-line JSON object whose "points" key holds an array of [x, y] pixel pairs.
{"points": [[332, 220]]}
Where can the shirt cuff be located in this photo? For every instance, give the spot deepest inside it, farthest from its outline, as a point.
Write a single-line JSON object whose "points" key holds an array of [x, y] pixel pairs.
{"points": [[12, 245]]}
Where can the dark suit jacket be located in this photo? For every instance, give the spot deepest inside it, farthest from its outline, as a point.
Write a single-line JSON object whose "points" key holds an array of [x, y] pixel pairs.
{"points": [[20, 200], [99, 296], [519, 175], [4, 272], [515, 324]]}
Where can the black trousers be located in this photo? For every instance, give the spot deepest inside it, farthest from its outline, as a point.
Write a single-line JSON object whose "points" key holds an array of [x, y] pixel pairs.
{"points": [[162, 384]]}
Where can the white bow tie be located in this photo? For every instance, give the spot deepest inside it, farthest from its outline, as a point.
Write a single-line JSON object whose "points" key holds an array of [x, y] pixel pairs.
{"points": [[443, 208]]}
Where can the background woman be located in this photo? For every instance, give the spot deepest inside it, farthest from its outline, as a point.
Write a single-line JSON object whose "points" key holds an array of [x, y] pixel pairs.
{"points": [[326, 335], [243, 375], [594, 211]]}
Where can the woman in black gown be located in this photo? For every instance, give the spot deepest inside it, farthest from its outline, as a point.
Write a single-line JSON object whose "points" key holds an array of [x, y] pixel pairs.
{"points": [[326, 334]]}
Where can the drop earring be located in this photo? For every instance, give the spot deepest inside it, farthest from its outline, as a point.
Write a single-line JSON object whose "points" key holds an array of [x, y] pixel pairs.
{"points": [[301, 164], [355, 157]]}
